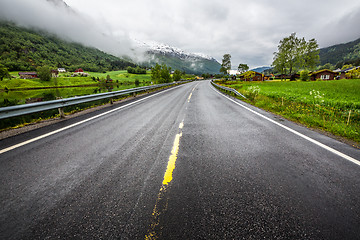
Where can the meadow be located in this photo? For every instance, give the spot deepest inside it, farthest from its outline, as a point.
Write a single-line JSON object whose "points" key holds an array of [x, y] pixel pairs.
{"points": [[65, 80], [332, 106]]}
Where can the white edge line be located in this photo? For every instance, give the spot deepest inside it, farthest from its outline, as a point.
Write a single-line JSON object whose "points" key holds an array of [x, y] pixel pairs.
{"points": [[76, 124], [353, 160]]}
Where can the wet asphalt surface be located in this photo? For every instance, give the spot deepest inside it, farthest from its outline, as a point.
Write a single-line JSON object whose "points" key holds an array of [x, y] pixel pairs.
{"points": [[237, 176]]}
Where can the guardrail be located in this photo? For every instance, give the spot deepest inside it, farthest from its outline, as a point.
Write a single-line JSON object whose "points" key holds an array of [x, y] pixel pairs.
{"points": [[227, 89], [19, 110]]}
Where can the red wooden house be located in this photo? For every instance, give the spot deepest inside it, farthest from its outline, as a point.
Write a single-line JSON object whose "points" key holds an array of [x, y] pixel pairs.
{"points": [[28, 75], [324, 74]]}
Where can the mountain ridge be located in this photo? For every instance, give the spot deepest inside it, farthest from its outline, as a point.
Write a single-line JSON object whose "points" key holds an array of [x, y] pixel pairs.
{"points": [[176, 58], [340, 54], [25, 49]]}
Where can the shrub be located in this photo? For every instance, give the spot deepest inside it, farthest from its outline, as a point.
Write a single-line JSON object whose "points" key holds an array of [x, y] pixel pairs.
{"points": [[304, 75], [44, 73]]}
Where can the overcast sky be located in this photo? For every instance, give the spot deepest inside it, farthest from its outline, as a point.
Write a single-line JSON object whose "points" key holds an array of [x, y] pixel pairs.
{"points": [[249, 30]]}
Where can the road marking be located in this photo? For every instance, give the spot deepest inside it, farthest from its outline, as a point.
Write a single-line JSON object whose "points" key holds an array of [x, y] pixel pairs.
{"points": [[161, 201], [172, 160], [192, 92], [189, 97], [353, 160], [78, 123]]}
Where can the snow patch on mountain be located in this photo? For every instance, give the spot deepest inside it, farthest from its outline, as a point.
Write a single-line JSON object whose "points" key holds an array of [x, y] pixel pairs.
{"points": [[164, 49]]}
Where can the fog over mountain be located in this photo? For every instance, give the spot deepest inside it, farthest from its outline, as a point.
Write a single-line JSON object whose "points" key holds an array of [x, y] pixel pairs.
{"points": [[55, 16]]}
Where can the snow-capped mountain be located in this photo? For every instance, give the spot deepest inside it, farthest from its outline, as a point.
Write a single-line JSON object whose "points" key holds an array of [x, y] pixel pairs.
{"points": [[177, 58], [161, 48]]}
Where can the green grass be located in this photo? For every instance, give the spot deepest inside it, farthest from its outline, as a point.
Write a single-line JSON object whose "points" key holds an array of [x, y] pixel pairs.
{"points": [[123, 76], [65, 79], [327, 107]]}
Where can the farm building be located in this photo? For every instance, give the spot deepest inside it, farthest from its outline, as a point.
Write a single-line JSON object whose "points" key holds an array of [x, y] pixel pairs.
{"points": [[324, 74], [61, 70], [54, 73], [28, 75], [80, 72], [256, 76]]}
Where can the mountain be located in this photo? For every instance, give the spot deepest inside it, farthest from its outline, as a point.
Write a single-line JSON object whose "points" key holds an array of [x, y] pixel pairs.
{"points": [[25, 49], [260, 69], [176, 58], [341, 54]]}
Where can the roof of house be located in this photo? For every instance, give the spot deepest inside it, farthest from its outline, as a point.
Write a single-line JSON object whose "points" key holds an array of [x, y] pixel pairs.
{"points": [[322, 70], [27, 73], [257, 73]]}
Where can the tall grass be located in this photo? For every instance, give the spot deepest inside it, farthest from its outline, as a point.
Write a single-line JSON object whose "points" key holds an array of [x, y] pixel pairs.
{"points": [[333, 106]]}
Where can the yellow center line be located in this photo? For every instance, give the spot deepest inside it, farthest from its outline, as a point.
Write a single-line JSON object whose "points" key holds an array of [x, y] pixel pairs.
{"points": [[189, 97], [172, 159], [191, 93], [162, 201]]}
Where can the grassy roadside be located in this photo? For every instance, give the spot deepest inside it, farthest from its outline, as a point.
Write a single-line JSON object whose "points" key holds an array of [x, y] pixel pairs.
{"points": [[65, 79], [332, 106]]}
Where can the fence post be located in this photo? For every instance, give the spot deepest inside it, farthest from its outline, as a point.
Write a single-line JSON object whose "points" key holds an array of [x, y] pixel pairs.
{"points": [[348, 121]]}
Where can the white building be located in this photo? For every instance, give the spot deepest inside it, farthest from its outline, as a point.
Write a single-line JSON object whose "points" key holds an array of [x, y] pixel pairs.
{"points": [[233, 72]]}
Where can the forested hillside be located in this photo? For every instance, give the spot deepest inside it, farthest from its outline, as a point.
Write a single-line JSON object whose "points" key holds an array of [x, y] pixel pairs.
{"points": [[347, 53], [24, 49]]}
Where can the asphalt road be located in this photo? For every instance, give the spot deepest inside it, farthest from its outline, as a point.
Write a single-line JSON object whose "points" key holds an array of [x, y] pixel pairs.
{"points": [[186, 163]]}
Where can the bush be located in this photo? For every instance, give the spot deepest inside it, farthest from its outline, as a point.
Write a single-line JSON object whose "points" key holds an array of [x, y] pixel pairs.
{"points": [[136, 70], [304, 75], [44, 73]]}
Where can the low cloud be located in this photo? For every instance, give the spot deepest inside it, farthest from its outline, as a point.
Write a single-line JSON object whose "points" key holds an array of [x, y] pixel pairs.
{"points": [[57, 18]]}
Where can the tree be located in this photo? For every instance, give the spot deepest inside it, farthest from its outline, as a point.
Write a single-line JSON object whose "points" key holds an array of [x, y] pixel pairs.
{"points": [[346, 66], [44, 73], [155, 73], [165, 76], [177, 75], [311, 55], [243, 68], [161, 74], [4, 73], [354, 73], [296, 54], [326, 66], [226, 64]]}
